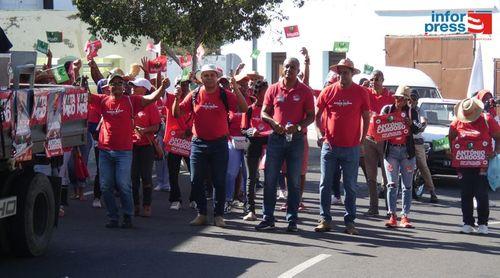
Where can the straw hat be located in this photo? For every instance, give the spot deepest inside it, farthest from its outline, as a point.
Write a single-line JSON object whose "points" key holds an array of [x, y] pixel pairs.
{"points": [[469, 110], [403, 91], [345, 63]]}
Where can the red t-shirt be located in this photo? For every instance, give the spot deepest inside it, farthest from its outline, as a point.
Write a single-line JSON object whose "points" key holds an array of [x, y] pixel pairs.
{"points": [[209, 113], [235, 123], [116, 129], [256, 122], [93, 115], [289, 105], [344, 108], [147, 117], [477, 130]]}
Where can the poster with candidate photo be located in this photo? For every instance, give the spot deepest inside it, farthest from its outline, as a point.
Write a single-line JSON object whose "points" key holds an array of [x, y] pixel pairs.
{"points": [[53, 142], [22, 144]]}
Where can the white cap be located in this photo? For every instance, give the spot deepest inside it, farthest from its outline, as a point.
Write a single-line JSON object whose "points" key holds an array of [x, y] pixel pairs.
{"points": [[141, 82]]}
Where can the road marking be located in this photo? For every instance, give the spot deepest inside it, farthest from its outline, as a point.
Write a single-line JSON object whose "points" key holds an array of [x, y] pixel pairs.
{"points": [[303, 266], [494, 223]]}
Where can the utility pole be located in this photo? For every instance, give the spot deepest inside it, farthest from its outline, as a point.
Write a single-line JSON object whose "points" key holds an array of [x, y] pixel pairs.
{"points": [[254, 47]]}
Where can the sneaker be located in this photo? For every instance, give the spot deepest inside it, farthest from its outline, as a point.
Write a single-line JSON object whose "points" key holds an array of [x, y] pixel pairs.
{"points": [[323, 226], [193, 205], [61, 211], [200, 220], [228, 207], [127, 222], [351, 229], [265, 225], [175, 205], [157, 188], [281, 194], [405, 222], [146, 211], [434, 198], [292, 227], [392, 222], [372, 212], [301, 207], [474, 202], [162, 188], [483, 229], [96, 203], [284, 207], [112, 224], [250, 217], [492, 204], [467, 229], [219, 222], [337, 201]]}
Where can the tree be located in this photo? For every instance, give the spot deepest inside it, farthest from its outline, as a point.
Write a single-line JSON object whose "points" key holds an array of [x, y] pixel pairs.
{"points": [[182, 24]]}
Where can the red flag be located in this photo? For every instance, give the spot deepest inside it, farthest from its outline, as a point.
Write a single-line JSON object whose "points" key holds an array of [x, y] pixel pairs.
{"points": [[91, 48], [186, 60], [292, 31], [158, 65]]}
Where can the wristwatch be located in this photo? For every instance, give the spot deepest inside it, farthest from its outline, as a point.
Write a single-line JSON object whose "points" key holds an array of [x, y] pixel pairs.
{"points": [[299, 128]]}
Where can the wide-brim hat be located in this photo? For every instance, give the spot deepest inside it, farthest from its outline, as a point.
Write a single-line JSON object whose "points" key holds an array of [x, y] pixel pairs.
{"points": [[469, 110], [403, 91], [345, 63], [254, 75], [481, 95], [205, 68], [241, 77]]}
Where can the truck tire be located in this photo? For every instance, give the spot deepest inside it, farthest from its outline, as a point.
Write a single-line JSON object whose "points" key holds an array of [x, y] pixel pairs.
{"points": [[34, 222]]}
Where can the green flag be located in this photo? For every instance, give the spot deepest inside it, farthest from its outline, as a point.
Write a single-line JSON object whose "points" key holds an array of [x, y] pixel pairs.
{"points": [[341, 47], [367, 69], [255, 54], [185, 74], [60, 74], [42, 46], [54, 36], [441, 144]]}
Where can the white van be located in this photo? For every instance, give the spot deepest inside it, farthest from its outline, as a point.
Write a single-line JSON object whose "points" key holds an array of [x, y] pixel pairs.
{"points": [[416, 79]]}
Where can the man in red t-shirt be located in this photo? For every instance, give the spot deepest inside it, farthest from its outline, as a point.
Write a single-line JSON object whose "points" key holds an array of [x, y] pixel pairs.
{"points": [[374, 151], [209, 105], [115, 144], [346, 104], [288, 108]]}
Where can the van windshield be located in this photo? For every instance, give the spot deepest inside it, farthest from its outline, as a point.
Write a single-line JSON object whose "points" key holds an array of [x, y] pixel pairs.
{"points": [[438, 113], [426, 92]]}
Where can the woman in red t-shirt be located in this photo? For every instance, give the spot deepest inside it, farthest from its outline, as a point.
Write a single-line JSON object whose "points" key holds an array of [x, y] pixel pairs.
{"points": [[475, 131], [146, 123], [399, 158]]}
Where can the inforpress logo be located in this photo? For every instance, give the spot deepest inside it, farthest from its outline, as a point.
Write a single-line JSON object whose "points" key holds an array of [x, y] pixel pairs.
{"points": [[472, 22]]}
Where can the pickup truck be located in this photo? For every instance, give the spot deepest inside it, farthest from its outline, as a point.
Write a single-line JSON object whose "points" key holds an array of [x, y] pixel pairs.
{"points": [[29, 201]]}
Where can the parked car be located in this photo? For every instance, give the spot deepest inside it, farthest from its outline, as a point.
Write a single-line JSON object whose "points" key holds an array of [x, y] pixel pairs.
{"points": [[439, 114], [414, 78]]}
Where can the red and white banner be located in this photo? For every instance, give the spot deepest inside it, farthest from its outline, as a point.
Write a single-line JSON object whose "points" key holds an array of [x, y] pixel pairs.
{"points": [[159, 64], [292, 31], [6, 103], [176, 143], [75, 104], [91, 48], [53, 143], [186, 60], [470, 154], [40, 101], [388, 126]]}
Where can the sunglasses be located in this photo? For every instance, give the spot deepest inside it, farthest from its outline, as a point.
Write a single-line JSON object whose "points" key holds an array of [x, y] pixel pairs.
{"points": [[376, 79]]}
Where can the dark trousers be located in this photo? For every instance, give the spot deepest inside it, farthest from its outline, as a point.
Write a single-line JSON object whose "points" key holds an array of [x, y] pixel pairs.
{"points": [[474, 185], [253, 155], [209, 155], [142, 170], [174, 167]]}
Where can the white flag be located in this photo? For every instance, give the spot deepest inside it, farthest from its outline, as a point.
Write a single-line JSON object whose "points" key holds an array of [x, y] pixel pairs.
{"points": [[476, 82], [200, 52], [154, 47]]}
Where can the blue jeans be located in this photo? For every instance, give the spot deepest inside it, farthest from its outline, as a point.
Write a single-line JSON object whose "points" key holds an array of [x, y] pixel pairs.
{"points": [[332, 160], [115, 169], [395, 163], [236, 161], [209, 156], [162, 178], [278, 151]]}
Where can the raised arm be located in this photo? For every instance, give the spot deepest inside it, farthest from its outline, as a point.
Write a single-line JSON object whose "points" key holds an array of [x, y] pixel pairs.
{"points": [[156, 95], [242, 103]]}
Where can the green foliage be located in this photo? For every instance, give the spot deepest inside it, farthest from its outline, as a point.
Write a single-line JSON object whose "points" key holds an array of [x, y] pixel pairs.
{"points": [[178, 24]]}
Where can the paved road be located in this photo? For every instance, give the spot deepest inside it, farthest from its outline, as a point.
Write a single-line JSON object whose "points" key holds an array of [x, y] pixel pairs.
{"points": [[165, 246]]}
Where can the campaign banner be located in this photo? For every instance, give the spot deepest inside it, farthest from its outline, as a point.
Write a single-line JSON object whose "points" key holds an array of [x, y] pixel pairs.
{"points": [[441, 144], [6, 107], [60, 74], [385, 127], [54, 36], [470, 154], [53, 141], [42, 46], [185, 60], [23, 146], [40, 101], [159, 64], [91, 47], [292, 31], [74, 104], [341, 47], [176, 143]]}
